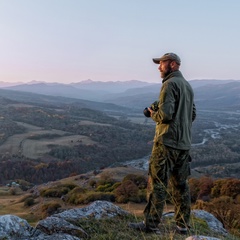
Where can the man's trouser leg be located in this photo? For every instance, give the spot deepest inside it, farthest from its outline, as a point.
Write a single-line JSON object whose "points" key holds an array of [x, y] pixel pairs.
{"points": [[181, 193], [157, 185]]}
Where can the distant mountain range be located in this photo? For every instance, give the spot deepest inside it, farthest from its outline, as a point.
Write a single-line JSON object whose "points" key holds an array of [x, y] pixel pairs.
{"points": [[209, 94], [89, 90]]}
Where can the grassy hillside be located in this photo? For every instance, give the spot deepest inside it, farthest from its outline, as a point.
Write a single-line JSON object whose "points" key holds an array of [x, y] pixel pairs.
{"points": [[46, 199]]}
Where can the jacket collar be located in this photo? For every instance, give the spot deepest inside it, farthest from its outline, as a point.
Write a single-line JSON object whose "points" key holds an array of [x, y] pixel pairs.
{"points": [[171, 75]]}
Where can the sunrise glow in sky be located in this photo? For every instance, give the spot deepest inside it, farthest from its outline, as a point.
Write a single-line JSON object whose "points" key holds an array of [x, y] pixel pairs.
{"points": [[109, 40]]}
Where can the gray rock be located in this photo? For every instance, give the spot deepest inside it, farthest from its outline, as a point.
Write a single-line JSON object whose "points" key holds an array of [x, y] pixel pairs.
{"points": [[55, 236], [213, 223], [97, 210], [202, 238], [14, 226], [52, 225]]}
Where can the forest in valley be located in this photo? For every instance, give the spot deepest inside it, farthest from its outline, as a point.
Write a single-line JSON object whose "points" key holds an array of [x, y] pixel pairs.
{"points": [[216, 145], [111, 140], [79, 136]]}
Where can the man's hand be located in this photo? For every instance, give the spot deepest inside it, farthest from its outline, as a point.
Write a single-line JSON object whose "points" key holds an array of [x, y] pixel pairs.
{"points": [[151, 111]]}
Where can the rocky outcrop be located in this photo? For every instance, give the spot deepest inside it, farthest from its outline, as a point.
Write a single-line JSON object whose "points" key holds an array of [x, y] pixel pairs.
{"points": [[58, 226], [97, 210], [14, 226], [213, 223], [57, 236], [64, 225], [53, 225]]}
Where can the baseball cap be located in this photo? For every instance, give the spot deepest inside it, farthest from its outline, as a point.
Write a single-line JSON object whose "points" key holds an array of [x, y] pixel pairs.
{"points": [[168, 56]]}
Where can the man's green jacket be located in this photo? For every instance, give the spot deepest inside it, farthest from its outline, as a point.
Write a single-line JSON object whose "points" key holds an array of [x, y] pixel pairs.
{"points": [[176, 112]]}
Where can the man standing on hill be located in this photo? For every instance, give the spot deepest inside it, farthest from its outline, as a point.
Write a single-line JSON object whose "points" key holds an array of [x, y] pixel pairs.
{"points": [[170, 157]]}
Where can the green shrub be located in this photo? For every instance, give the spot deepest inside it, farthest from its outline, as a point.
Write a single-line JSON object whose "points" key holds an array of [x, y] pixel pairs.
{"points": [[78, 190], [94, 196], [113, 187], [90, 196], [116, 185], [54, 192], [104, 188], [106, 178], [57, 191], [108, 187], [75, 194], [69, 185]]}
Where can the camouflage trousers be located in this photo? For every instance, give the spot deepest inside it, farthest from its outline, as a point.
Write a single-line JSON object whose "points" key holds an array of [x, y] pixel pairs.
{"points": [[168, 165]]}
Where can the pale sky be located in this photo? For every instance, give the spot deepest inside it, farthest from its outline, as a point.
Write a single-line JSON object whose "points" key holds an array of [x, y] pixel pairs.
{"points": [[115, 40]]}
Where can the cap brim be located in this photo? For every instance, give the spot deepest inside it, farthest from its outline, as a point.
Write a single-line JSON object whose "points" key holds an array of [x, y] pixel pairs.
{"points": [[156, 60]]}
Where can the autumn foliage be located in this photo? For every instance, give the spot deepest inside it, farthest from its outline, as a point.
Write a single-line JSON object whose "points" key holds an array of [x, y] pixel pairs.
{"points": [[219, 197]]}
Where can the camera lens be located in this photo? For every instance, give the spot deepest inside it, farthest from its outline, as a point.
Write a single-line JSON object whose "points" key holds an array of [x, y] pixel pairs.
{"points": [[146, 112]]}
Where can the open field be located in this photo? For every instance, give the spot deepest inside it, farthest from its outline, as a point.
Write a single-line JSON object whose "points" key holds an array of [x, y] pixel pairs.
{"points": [[20, 144], [34, 149]]}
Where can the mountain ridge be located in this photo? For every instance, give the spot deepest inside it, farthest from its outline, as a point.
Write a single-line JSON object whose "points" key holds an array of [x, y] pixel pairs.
{"points": [[135, 93]]}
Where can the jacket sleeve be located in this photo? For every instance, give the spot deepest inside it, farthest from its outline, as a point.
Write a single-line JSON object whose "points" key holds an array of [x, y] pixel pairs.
{"points": [[166, 105]]}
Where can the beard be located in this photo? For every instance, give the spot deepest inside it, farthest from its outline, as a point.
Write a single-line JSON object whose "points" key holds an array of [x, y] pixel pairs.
{"points": [[166, 72]]}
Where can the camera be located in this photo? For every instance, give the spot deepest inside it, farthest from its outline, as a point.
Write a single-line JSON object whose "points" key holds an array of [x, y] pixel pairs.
{"points": [[153, 106]]}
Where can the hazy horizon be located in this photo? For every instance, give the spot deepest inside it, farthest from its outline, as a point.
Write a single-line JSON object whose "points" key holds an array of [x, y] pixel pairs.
{"points": [[95, 81]]}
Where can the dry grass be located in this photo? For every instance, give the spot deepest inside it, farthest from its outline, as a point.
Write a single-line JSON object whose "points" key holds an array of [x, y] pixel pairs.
{"points": [[15, 205]]}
